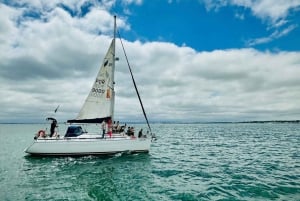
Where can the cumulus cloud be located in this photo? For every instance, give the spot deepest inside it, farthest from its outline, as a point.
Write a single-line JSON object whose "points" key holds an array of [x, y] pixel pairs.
{"points": [[220, 84], [53, 60]]}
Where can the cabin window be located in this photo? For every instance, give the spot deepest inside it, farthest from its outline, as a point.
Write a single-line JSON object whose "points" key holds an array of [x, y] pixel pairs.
{"points": [[74, 131]]}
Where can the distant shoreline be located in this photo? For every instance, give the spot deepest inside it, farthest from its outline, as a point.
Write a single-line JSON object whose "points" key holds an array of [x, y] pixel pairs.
{"points": [[230, 122], [274, 121]]}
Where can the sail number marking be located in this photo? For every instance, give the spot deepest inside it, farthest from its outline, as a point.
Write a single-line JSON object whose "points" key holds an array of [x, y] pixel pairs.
{"points": [[98, 81], [98, 91]]}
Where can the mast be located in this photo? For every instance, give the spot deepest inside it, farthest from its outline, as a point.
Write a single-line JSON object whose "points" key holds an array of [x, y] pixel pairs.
{"points": [[113, 70], [115, 26]]}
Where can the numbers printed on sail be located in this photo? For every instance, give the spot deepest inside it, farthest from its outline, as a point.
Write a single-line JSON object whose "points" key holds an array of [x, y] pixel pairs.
{"points": [[98, 91], [100, 81]]}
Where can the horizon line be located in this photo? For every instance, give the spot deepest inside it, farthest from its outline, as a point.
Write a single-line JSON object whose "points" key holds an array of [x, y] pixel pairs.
{"points": [[181, 122]]}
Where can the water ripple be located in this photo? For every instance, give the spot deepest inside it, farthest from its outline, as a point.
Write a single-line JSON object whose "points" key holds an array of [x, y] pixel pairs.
{"points": [[188, 162]]}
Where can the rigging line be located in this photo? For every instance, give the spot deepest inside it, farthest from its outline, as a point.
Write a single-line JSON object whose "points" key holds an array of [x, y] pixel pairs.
{"points": [[134, 83]]}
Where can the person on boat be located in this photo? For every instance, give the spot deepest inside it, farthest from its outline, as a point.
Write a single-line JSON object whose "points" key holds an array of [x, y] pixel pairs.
{"points": [[118, 127], [40, 133], [110, 128], [130, 131], [140, 133], [114, 127], [53, 126], [103, 126], [122, 129]]}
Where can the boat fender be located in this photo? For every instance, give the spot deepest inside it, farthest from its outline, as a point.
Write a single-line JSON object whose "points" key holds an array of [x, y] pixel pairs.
{"points": [[41, 133]]}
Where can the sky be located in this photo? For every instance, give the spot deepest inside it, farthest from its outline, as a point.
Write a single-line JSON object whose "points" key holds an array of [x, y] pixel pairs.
{"points": [[193, 60]]}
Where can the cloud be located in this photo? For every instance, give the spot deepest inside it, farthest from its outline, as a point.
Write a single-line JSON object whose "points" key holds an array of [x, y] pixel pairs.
{"points": [[263, 9], [274, 13], [137, 2], [275, 35], [53, 60]]}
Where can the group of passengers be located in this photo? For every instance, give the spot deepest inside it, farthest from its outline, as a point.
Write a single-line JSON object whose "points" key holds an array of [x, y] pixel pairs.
{"points": [[107, 128], [130, 132], [117, 128]]}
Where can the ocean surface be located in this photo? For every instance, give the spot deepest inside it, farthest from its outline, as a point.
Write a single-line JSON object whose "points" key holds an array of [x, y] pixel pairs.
{"points": [[249, 161]]}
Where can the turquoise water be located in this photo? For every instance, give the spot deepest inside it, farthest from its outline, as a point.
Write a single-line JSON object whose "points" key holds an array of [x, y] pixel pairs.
{"points": [[188, 162]]}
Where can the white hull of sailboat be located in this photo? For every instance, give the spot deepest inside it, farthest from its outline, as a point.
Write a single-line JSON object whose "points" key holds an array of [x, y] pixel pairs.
{"points": [[81, 146]]}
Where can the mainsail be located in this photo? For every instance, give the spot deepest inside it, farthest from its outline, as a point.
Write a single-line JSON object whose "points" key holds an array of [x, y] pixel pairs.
{"points": [[99, 105]]}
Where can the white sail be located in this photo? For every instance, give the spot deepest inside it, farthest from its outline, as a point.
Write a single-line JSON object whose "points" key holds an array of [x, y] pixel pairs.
{"points": [[99, 104]]}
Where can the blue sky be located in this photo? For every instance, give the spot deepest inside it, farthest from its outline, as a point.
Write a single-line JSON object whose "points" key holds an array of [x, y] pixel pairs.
{"points": [[234, 60], [190, 23]]}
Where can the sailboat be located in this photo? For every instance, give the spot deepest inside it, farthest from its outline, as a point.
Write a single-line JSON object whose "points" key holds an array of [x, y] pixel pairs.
{"points": [[97, 109]]}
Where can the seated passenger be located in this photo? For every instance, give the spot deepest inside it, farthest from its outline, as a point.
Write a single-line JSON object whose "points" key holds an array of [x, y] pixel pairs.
{"points": [[130, 131], [122, 129]]}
